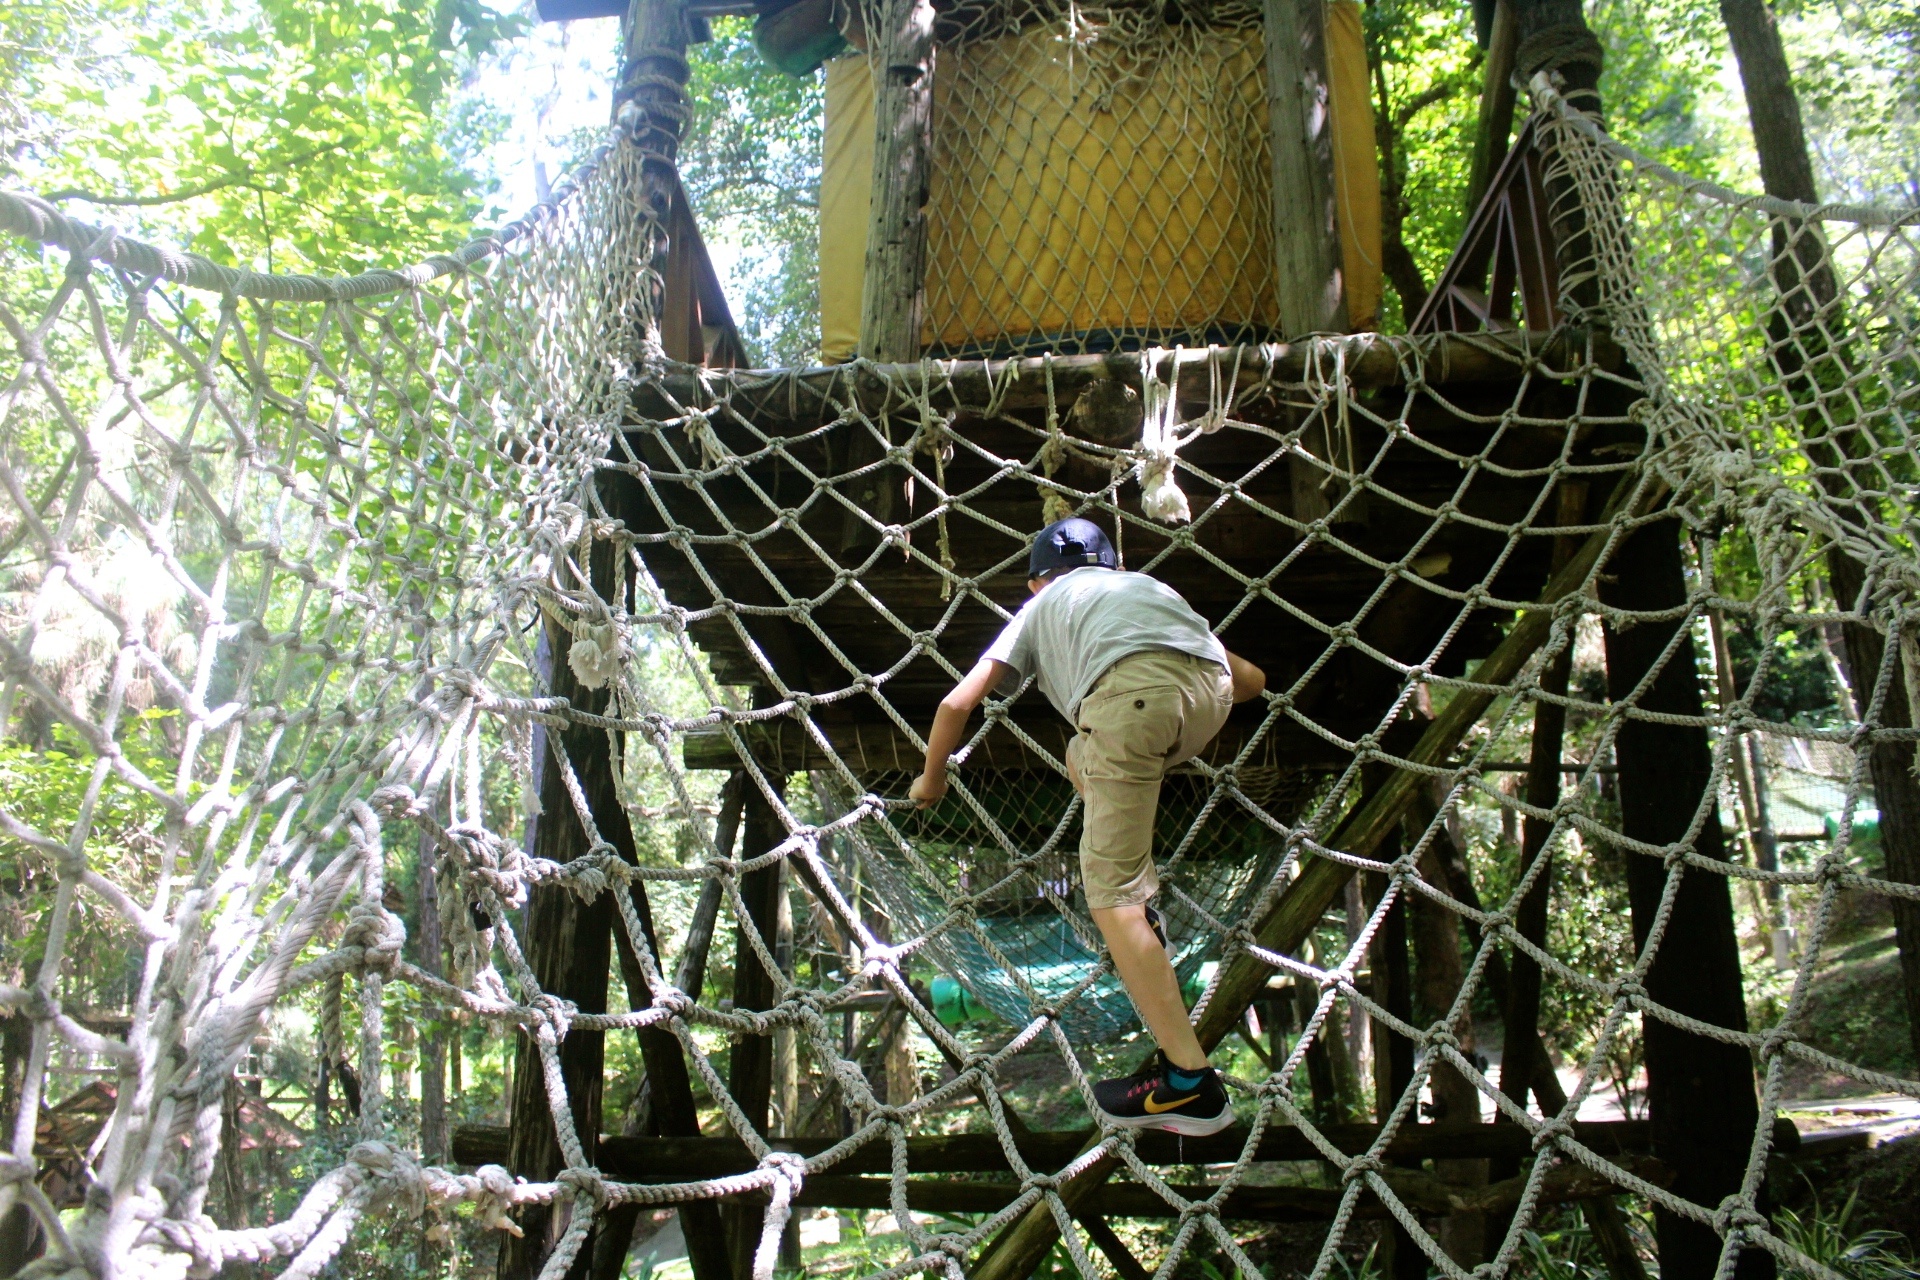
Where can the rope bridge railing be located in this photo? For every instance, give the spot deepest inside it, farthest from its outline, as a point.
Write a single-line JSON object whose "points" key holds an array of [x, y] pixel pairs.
{"points": [[350, 579]]}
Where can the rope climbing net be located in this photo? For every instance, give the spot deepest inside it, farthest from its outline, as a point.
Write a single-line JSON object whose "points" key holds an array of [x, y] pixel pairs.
{"points": [[334, 584]]}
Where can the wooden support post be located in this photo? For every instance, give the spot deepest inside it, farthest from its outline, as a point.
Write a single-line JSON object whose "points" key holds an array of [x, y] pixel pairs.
{"points": [[1700, 1091], [1310, 293], [1125, 1265], [651, 103], [568, 944], [892, 306], [1494, 132], [1392, 988], [750, 1070], [1439, 973], [1297, 911], [669, 1084], [433, 1042]]}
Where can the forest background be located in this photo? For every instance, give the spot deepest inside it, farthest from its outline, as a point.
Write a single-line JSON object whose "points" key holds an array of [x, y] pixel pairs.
{"points": [[332, 136]]}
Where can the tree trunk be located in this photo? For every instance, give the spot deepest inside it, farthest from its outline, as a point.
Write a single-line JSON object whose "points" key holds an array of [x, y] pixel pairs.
{"points": [[1773, 106], [1700, 1091], [1311, 295], [1808, 292]]}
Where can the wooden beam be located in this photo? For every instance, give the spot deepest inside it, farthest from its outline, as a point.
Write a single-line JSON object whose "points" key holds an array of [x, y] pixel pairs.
{"points": [[1497, 96], [1421, 1192], [679, 1159], [1373, 361], [650, 103], [1309, 293], [894, 300]]}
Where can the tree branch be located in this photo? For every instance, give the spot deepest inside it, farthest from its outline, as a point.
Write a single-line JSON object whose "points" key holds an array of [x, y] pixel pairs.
{"points": [[245, 178]]}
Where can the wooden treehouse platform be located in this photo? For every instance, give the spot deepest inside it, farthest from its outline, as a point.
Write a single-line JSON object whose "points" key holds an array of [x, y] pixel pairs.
{"points": [[1500, 404]]}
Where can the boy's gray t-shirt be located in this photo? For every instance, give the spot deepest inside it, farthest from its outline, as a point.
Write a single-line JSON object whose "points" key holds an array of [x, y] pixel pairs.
{"points": [[1075, 629]]}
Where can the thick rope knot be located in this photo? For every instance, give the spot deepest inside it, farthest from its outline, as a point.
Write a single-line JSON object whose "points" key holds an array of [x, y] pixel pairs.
{"points": [[1563, 45], [1441, 1036], [1737, 1214], [1629, 989], [397, 802], [379, 933], [586, 1181], [1161, 497], [674, 1001], [1550, 1132], [1342, 977], [495, 1198], [554, 1012], [596, 654], [590, 873], [486, 858], [197, 1237], [1042, 1182], [563, 526], [1360, 1166]]}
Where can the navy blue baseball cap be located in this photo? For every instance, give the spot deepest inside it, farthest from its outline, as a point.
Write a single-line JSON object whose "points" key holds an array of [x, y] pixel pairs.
{"points": [[1069, 544]]}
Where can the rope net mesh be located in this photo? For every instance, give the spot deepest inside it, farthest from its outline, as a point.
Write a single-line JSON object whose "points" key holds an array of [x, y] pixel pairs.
{"points": [[1102, 178], [334, 577]]}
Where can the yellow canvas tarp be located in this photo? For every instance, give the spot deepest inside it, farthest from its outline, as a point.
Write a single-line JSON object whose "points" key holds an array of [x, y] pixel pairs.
{"points": [[1070, 197]]}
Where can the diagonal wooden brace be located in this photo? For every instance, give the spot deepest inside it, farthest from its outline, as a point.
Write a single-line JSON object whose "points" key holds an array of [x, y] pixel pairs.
{"points": [[1022, 1246]]}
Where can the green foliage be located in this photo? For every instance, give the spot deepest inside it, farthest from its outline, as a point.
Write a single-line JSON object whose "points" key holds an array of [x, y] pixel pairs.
{"points": [[288, 135], [1827, 1239], [751, 163]]}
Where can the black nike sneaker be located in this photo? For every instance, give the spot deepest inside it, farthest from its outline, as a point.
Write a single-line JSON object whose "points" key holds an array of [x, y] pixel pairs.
{"points": [[1147, 1099]]}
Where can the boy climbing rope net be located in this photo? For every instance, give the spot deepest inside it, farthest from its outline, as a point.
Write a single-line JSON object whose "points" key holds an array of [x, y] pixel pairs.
{"points": [[1147, 684]]}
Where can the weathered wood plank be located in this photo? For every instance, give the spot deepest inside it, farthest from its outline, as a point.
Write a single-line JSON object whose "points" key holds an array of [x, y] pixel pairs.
{"points": [[1309, 292], [894, 297], [679, 1159], [1373, 361]]}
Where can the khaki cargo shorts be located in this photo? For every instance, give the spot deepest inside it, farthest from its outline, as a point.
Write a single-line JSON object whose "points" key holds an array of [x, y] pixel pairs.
{"points": [[1149, 712]]}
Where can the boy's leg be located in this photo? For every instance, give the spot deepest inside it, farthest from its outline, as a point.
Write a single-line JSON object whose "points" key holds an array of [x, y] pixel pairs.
{"points": [[1149, 978]]}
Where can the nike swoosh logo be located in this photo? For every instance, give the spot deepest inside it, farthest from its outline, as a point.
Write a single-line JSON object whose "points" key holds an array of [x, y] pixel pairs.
{"points": [[1154, 1109]]}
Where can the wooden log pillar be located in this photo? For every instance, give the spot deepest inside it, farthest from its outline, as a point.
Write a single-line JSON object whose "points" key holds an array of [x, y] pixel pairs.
{"points": [[651, 103], [893, 305], [1494, 132], [433, 1041], [750, 1067], [894, 293], [1309, 289], [568, 944], [1700, 1091]]}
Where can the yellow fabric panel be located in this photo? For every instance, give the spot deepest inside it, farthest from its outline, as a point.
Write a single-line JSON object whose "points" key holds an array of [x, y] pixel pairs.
{"points": [[1073, 191], [1356, 165], [846, 189]]}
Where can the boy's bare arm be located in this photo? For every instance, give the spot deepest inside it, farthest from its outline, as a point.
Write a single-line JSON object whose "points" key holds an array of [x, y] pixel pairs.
{"points": [[950, 725], [1249, 681]]}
